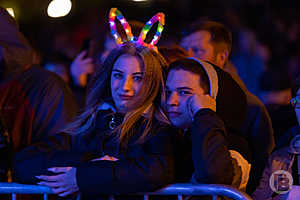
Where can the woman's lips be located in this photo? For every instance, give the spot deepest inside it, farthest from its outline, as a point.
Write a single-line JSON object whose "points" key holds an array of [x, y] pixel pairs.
{"points": [[125, 97]]}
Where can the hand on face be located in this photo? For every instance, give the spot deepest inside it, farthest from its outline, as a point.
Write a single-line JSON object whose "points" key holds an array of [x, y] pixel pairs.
{"points": [[199, 101], [62, 184]]}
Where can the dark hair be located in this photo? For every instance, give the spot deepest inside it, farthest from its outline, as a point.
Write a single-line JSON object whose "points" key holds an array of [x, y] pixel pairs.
{"points": [[195, 67], [147, 100], [274, 80], [231, 101], [172, 53], [221, 36], [295, 86]]}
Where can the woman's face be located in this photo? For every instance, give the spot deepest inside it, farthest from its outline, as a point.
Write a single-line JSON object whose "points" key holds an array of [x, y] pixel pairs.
{"points": [[127, 79]]}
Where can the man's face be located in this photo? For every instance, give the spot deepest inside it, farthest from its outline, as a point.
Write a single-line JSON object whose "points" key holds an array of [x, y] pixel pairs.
{"points": [[180, 86], [198, 45]]}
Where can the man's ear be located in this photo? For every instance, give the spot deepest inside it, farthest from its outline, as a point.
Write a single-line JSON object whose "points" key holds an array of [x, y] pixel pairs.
{"points": [[221, 58]]}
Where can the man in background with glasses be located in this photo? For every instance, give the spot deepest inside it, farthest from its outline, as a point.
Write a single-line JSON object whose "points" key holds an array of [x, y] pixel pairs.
{"points": [[285, 162]]}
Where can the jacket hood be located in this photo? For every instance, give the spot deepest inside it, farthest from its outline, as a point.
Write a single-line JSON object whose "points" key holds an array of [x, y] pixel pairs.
{"points": [[15, 51], [231, 101]]}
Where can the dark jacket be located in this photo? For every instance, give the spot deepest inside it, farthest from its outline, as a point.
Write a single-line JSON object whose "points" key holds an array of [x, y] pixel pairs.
{"points": [[206, 143], [34, 103], [204, 156], [257, 133], [141, 167]]}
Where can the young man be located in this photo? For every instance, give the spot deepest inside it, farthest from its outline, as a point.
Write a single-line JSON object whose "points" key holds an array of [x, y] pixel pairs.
{"points": [[196, 103], [212, 41]]}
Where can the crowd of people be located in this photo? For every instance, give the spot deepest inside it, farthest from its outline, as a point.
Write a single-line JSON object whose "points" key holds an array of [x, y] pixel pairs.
{"points": [[135, 117]]}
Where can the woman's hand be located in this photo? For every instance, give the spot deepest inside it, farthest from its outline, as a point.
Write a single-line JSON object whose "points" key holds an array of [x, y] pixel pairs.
{"points": [[62, 184]]}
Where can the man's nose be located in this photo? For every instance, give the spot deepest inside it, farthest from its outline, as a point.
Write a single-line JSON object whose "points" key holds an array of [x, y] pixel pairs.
{"points": [[173, 100]]}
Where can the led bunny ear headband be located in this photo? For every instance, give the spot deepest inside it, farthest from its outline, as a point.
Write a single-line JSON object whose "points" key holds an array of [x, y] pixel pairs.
{"points": [[115, 13]]}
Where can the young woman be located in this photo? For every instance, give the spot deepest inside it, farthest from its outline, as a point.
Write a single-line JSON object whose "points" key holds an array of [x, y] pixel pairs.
{"points": [[121, 143]]}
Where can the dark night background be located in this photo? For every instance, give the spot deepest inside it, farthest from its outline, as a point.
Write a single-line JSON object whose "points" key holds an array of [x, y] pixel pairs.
{"points": [[272, 27]]}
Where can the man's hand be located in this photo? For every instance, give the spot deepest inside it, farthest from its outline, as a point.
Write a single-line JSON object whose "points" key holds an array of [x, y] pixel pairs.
{"points": [[197, 102], [62, 184]]}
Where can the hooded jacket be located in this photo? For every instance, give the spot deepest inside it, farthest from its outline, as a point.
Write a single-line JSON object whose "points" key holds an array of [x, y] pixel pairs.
{"points": [[205, 154], [16, 53]]}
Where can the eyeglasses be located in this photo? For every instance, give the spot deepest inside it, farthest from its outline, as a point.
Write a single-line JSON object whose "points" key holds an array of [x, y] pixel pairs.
{"points": [[295, 102]]}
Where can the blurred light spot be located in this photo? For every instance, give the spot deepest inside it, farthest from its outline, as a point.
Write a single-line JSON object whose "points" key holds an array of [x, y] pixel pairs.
{"points": [[140, 0], [59, 8], [11, 11]]}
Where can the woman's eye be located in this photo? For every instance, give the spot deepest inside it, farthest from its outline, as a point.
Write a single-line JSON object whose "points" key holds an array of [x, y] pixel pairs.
{"points": [[117, 75], [137, 78]]}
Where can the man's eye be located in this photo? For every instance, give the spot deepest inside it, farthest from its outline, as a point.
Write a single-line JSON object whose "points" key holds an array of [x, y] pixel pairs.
{"points": [[196, 50], [117, 75], [137, 78], [183, 92]]}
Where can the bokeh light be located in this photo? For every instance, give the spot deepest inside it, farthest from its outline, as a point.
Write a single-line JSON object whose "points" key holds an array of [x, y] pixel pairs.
{"points": [[11, 11], [59, 8]]}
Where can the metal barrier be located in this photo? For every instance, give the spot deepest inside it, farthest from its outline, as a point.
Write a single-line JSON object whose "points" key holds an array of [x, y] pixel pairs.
{"points": [[213, 190]]}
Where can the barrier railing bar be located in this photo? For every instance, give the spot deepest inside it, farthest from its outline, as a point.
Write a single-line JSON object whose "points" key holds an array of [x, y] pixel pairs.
{"points": [[178, 189], [179, 197], [146, 197]]}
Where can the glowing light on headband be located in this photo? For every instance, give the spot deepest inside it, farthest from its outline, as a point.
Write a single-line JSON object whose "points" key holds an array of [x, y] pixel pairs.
{"points": [[159, 17], [113, 14]]}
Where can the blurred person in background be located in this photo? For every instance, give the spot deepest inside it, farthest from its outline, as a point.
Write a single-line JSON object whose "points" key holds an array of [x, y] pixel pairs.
{"points": [[276, 92], [212, 42], [58, 64], [248, 62], [81, 69], [285, 158], [34, 103], [172, 52]]}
